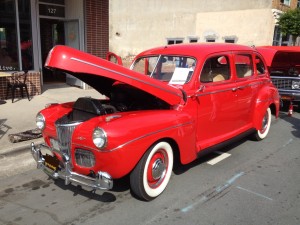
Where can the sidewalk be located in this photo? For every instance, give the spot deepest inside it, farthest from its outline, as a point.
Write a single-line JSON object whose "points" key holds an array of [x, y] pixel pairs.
{"points": [[20, 116]]}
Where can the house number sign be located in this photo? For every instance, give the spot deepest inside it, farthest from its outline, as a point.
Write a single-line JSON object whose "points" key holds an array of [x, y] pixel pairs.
{"points": [[52, 10]]}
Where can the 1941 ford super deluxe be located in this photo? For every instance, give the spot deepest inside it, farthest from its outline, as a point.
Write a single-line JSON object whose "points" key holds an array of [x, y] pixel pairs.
{"points": [[174, 104]]}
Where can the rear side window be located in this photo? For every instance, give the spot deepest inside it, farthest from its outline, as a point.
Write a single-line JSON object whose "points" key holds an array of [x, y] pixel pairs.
{"points": [[243, 65], [260, 66], [215, 69]]}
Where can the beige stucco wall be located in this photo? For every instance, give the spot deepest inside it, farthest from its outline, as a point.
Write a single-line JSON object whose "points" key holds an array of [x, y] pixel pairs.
{"points": [[136, 25], [250, 27]]}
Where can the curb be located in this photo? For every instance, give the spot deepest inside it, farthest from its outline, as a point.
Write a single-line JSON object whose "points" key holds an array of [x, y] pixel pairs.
{"points": [[25, 146]]}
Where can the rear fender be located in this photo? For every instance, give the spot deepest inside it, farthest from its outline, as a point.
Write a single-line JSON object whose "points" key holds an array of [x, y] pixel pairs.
{"points": [[268, 97]]}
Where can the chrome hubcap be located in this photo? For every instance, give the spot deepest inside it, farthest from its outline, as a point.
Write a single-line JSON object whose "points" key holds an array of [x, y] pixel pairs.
{"points": [[158, 169]]}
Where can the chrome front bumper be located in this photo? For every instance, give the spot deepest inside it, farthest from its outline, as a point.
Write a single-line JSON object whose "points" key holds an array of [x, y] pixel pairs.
{"points": [[102, 181]]}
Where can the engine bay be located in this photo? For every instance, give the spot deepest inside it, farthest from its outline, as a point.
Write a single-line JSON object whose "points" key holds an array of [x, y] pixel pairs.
{"points": [[123, 98]]}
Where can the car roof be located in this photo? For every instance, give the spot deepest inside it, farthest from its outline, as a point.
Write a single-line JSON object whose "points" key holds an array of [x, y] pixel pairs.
{"points": [[279, 56], [196, 49]]}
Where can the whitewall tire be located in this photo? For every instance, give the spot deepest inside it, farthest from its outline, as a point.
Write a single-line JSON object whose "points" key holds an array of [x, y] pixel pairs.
{"points": [[152, 174], [265, 126]]}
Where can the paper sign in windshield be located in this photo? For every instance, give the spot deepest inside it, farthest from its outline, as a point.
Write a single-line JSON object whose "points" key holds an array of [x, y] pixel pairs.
{"points": [[180, 75]]}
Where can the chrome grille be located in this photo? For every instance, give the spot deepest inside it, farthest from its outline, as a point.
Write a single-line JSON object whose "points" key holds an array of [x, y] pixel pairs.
{"points": [[64, 130], [282, 83]]}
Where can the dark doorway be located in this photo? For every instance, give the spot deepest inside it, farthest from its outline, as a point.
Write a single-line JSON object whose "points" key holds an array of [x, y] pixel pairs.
{"points": [[52, 33]]}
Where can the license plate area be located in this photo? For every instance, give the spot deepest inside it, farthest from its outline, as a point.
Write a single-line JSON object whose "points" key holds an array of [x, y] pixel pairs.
{"points": [[51, 162]]}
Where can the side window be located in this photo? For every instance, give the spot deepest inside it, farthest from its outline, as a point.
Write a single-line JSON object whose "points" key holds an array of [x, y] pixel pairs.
{"points": [[260, 66], [243, 65], [215, 69]]}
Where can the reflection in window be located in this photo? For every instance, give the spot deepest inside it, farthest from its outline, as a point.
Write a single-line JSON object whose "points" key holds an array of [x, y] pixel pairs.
{"points": [[215, 69], [25, 34], [8, 36], [10, 49]]}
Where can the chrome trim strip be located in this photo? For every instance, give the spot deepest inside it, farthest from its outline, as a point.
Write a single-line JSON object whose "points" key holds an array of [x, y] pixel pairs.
{"points": [[133, 140], [149, 134], [124, 75], [229, 89], [292, 91], [213, 92], [287, 78]]}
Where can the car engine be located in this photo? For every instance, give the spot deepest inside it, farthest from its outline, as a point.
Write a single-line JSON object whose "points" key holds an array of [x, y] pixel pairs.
{"points": [[123, 98]]}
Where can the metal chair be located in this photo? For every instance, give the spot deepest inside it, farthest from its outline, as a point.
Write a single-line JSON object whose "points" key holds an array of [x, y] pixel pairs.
{"points": [[18, 81]]}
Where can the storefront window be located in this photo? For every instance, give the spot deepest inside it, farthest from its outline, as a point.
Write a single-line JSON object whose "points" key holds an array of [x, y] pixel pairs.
{"points": [[25, 34], [14, 45], [8, 36]]}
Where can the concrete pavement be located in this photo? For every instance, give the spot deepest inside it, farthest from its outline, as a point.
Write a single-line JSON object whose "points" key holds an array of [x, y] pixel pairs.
{"points": [[20, 116]]}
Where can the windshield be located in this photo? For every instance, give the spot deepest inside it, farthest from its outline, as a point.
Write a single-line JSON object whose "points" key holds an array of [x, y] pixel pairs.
{"points": [[167, 68]]}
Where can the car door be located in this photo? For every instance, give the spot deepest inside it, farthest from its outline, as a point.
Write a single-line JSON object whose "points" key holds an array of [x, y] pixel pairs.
{"points": [[247, 87], [217, 102]]}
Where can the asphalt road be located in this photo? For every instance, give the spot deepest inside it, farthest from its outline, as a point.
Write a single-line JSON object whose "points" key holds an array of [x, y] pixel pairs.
{"points": [[256, 183]]}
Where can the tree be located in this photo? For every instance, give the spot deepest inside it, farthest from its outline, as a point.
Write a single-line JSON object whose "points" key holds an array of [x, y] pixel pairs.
{"points": [[289, 23]]}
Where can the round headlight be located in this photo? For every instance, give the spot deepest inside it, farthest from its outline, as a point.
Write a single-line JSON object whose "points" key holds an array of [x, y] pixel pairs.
{"points": [[99, 138], [40, 121], [295, 84]]}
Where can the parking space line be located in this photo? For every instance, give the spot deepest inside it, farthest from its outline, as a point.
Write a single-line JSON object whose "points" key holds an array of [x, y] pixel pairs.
{"points": [[255, 193], [222, 156], [214, 193]]}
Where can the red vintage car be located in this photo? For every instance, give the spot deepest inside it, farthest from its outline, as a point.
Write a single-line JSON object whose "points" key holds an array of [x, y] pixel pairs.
{"points": [[173, 105], [284, 67]]}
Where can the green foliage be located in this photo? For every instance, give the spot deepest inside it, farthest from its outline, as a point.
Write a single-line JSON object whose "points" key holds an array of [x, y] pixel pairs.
{"points": [[289, 22]]}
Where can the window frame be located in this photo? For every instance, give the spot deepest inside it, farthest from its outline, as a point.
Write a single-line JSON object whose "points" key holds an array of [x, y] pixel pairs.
{"points": [[218, 56], [250, 55], [262, 61], [158, 67], [286, 2]]}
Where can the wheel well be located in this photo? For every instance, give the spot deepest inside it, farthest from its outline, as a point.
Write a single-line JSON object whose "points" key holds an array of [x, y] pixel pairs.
{"points": [[273, 109], [176, 151]]}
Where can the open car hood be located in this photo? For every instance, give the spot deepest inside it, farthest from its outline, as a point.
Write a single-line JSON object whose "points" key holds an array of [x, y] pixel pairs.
{"points": [[101, 74], [280, 56]]}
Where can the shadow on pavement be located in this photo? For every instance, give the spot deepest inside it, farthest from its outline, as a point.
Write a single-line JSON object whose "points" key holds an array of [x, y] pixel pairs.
{"points": [[3, 128]]}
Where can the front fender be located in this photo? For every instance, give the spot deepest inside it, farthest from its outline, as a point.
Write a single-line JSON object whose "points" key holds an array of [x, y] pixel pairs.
{"points": [[131, 135]]}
